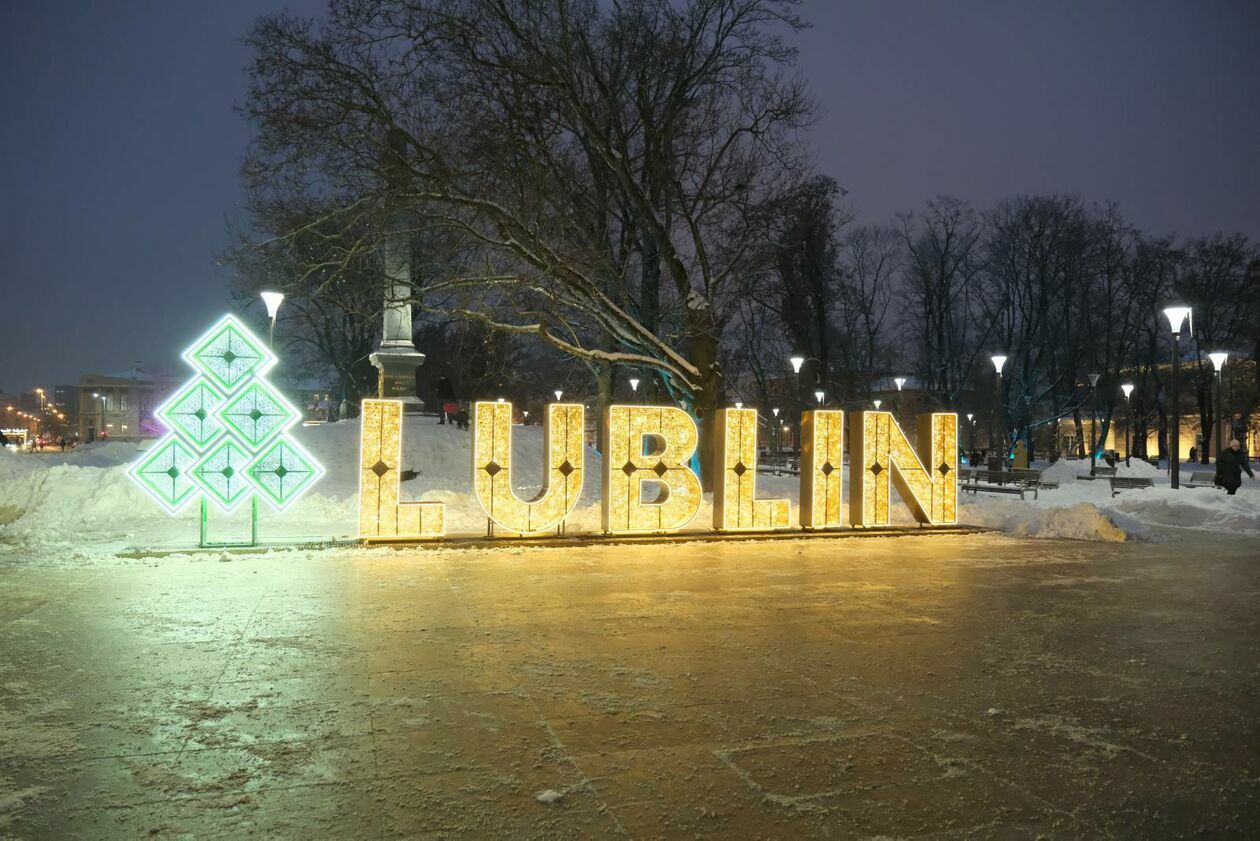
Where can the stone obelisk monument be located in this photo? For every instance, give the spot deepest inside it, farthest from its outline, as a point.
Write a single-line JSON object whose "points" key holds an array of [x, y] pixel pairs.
{"points": [[397, 359]]}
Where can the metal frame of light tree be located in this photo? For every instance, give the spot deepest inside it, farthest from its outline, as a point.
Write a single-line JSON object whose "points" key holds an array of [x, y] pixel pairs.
{"points": [[228, 435]]}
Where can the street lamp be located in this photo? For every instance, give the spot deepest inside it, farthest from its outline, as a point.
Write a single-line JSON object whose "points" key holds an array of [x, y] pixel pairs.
{"points": [[998, 361], [1127, 388], [877, 404], [559, 394], [103, 433], [971, 424], [739, 404], [634, 388], [818, 395], [1218, 362], [1093, 419], [1177, 316], [778, 434], [797, 362], [272, 300]]}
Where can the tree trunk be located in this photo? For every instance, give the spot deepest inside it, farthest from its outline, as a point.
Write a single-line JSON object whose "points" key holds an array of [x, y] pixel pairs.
{"points": [[604, 382], [704, 355]]}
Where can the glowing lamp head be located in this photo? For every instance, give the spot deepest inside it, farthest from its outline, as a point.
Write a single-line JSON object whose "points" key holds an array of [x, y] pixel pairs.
{"points": [[878, 403], [900, 381], [1127, 388], [96, 394], [634, 385], [272, 300], [818, 395], [1218, 360], [775, 411], [1176, 316], [998, 362], [500, 400], [797, 362], [739, 405], [559, 394], [970, 416], [1093, 380]]}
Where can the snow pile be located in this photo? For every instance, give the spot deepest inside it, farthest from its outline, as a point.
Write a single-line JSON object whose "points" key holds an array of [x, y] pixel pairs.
{"points": [[1078, 521]]}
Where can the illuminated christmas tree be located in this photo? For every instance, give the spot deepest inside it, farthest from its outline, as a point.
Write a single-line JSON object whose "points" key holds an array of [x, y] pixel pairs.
{"points": [[228, 428]]}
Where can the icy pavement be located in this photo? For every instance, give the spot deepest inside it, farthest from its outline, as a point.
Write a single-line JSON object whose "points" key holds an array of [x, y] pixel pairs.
{"points": [[815, 688]]}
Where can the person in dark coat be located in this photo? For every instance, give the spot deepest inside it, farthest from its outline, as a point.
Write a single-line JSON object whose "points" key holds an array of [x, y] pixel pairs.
{"points": [[1230, 465], [445, 397]]}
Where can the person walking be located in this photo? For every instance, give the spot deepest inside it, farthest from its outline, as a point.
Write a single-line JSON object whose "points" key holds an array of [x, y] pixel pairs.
{"points": [[1230, 465]]}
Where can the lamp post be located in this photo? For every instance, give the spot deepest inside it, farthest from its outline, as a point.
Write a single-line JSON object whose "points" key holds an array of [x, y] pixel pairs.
{"points": [[797, 362], [1218, 361], [1127, 388], [877, 403], [998, 361], [778, 432], [101, 397], [559, 394], [818, 396], [901, 409], [1176, 316], [1093, 419], [272, 300], [634, 388]]}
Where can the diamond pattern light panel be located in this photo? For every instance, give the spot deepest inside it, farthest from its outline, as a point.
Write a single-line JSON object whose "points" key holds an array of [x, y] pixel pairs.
{"points": [[822, 457], [926, 479], [381, 515], [562, 470], [735, 503], [229, 430], [649, 446]]}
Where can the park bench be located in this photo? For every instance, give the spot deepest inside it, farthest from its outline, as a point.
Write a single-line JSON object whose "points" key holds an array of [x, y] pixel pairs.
{"points": [[1019, 490], [1032, 478], [1101, 470], [1201, 479], [1125, 483]]}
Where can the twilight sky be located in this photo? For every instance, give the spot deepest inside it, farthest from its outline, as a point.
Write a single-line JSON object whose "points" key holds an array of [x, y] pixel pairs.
{"points": [[119, 148]]}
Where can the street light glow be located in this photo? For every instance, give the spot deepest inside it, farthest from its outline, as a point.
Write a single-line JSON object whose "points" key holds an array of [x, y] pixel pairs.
{"points": [[1218, 359], [877, 404], [998, 362], [1176, 316], [900, 381], [559, 394], [818, 395], [1127, 388], [634, 385], [272, 300], [797, 362]]}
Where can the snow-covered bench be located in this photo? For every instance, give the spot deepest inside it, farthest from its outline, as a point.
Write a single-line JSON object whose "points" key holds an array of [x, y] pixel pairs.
{"points": [[1101, 470], [1014, 488], [1200, 479], [1033, 478], [1126, 483]]}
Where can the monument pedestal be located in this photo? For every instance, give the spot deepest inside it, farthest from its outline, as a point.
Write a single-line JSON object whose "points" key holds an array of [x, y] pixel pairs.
{"points": [[396, 375]]}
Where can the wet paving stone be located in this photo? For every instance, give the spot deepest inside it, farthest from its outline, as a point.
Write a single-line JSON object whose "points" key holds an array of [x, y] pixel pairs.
{"points": [[919, 687]]}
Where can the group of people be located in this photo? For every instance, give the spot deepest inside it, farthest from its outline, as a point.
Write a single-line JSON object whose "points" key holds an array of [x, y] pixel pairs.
{"points": [[38, 443]]}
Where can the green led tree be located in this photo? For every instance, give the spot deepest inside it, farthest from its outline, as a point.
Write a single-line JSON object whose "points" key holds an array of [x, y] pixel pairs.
{"points": [[228, 435]]}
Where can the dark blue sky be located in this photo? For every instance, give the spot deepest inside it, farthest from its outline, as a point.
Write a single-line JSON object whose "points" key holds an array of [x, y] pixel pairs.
{"points": [[119, 148]]}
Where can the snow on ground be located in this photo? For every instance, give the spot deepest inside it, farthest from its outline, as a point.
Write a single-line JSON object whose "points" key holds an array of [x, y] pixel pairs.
{"points": [[84, 498]]}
